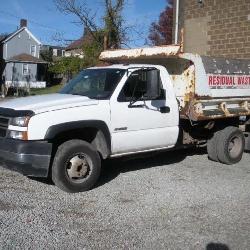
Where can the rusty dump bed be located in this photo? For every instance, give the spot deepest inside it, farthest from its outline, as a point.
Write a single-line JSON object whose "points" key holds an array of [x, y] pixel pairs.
{"points": [[206, 88]]}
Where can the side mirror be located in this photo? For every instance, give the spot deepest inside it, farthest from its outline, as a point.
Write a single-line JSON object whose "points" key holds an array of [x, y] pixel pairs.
{"points": [[153, 84]]}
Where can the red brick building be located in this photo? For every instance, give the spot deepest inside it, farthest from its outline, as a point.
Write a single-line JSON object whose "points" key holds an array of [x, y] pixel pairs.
{"points": [[215, 27]]}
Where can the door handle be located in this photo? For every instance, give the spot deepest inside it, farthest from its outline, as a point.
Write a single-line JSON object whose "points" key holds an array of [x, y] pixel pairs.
{"points": [[136, 106], [165, 109]]}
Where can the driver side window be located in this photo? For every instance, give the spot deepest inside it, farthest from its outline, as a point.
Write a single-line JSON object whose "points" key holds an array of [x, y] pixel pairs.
{"points": [[129, 90], [135, 85]]}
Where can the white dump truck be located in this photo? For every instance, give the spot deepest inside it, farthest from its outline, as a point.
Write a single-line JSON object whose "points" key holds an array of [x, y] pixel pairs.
{"points": [[149, 99]]}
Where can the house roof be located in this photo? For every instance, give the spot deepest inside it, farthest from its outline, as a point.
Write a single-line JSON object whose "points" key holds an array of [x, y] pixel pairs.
{"points": [[25, 58], [47, 46], [4, 36], [56, 47], [77, 44], [6, 39]]}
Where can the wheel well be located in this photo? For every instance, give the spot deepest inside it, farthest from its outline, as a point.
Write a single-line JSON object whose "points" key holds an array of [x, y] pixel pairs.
{"points": [[195, 133], [91, 135]]}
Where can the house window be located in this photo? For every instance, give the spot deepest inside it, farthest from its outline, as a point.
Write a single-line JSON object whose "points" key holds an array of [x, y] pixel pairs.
{"points": [[25, 69], [33, 50], [54, 52]]}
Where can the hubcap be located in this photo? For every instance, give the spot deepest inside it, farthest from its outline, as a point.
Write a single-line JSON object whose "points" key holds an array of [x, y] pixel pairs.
{"points": [[78, 168], [234, 147]]}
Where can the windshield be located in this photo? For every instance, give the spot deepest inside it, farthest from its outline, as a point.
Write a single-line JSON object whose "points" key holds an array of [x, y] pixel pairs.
{"points": [[94, 83]]}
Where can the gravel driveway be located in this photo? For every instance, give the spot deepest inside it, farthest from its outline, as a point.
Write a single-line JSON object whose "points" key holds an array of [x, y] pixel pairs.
{"points": [[175, 200]]}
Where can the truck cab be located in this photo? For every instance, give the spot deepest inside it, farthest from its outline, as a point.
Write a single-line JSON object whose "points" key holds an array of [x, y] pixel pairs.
{"points": [[143, 110]]}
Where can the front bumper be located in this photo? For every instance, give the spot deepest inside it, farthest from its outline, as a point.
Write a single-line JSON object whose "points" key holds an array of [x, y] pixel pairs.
{"points": [[30, 158]]}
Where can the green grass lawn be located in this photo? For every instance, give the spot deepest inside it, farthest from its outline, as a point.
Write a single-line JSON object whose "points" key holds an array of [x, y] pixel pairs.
{"points": [[48, 90]]}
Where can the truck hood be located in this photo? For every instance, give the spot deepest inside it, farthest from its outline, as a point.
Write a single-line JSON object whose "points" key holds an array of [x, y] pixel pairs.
{"points": [[50, 102]]}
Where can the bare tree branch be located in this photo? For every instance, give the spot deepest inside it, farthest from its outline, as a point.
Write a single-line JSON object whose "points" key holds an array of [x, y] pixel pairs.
{"points": [[81, 11]]}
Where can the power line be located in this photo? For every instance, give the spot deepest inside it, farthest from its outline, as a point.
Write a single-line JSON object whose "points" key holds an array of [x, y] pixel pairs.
{"points": [[33, 22], [30, 20]]}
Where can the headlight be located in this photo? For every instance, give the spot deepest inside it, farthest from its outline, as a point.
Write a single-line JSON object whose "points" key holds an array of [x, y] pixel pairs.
{"points": [[19, 135], [20, 121]]}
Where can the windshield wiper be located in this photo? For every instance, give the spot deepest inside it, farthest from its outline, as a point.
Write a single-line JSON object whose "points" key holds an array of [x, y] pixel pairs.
{"points": [[78, 94]]}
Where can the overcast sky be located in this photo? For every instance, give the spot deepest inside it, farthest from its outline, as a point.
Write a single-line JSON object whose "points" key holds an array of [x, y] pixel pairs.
{"points": [[45, 21]]}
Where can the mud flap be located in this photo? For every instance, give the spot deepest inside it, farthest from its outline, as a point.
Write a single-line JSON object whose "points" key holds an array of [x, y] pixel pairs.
{"points": [[247, 142]]}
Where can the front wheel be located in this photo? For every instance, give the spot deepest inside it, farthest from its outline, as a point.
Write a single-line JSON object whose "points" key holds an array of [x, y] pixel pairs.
{"points": [[76, 166]]}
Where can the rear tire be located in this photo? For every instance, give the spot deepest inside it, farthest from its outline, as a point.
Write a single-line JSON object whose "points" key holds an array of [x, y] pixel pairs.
{"points": [[76, 166], [230, 145], [212, 147]]}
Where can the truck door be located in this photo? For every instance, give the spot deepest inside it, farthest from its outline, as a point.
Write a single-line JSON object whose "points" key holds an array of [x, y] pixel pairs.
{"points": [[147, 124]]}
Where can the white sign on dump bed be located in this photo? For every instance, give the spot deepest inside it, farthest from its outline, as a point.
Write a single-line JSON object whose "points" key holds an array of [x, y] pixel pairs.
{"points": [[228, 82]]}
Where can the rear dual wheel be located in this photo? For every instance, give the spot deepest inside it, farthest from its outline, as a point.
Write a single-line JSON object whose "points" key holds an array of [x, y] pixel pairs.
{"points": [[212, 147], [226, 146]]}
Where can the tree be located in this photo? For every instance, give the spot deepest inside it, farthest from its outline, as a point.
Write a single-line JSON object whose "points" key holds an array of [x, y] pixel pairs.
{"points": [[47, 55], [112, 27], [113, 24], [160, 32], [68, 66], [92, 50], [110, 33]]}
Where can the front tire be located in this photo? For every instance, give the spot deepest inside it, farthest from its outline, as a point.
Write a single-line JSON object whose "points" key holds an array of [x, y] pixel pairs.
{"points": [[76, 166]]}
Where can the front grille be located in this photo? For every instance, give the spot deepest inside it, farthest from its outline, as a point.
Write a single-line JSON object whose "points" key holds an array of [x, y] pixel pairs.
{"points": [[4, 123], [3, 132]]}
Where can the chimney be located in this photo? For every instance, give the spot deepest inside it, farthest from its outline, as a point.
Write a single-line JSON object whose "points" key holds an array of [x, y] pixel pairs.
{"points": [[23, 23]]}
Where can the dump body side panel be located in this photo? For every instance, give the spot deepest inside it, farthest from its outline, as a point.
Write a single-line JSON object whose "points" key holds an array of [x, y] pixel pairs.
{"points": [[222, 88]]}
